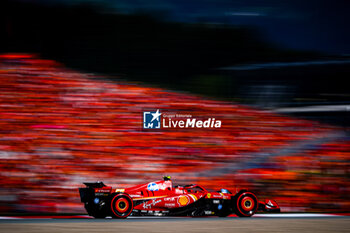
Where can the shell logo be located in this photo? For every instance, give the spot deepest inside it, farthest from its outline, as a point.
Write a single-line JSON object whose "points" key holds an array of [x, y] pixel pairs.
{"points": [[183, 200]]}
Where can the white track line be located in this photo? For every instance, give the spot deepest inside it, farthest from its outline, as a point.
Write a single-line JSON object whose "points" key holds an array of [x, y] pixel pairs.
{"points": [[6, 217], [282, 215], [294, 215]]}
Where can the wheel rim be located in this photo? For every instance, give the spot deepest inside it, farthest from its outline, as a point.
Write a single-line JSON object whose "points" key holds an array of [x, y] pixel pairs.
{"points": [[247, 203], [121, 205]]}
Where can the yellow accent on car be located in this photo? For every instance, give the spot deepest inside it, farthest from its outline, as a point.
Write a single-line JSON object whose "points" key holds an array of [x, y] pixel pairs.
{"points": [[194, 197], [119, 190]]}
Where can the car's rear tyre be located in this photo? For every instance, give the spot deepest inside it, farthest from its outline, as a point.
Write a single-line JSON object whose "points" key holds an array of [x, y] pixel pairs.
{"points": [[94, 211], [246, 204], [121, 205]]}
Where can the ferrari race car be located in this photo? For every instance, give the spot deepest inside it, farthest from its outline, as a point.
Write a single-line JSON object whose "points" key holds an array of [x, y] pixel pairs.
{"points": [[160, 198]]}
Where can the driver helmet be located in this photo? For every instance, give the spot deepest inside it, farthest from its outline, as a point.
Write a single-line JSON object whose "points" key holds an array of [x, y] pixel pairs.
{"points": [[224, 191]]}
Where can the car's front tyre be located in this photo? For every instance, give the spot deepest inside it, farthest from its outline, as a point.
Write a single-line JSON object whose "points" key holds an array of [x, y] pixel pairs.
{"points": [[245, 204]]}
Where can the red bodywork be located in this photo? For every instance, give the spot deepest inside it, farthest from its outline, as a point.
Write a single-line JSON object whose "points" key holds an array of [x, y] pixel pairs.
{"points": [[160, 197]]}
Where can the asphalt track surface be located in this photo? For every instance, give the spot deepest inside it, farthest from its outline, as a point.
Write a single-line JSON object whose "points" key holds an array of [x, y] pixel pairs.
{"points": [[151, 224]]}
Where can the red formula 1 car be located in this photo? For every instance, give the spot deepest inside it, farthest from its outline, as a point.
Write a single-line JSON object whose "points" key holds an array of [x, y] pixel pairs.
{"points": [[161, 198]]}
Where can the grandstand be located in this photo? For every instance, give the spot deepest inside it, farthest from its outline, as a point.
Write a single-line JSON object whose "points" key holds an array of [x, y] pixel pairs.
{"points": [[60, 127]]}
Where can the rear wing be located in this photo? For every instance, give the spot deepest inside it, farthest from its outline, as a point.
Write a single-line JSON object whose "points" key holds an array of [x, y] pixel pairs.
{"points": [[87, 194], [98, 184]]}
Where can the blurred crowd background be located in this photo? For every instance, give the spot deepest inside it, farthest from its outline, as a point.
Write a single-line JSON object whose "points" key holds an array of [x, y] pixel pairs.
{"points": [[60, 128], [75, 77]]}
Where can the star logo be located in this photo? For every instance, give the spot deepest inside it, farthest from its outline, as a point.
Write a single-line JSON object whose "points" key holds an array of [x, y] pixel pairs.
{"points": [[151, 120], [156, 115]]}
